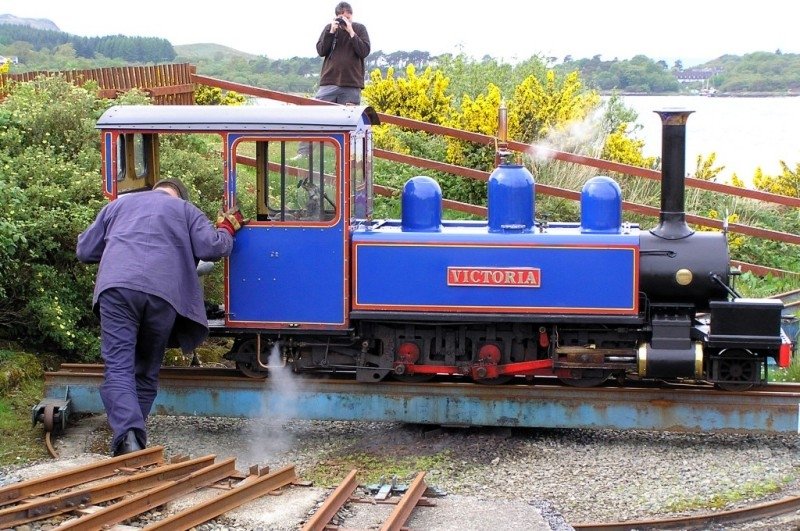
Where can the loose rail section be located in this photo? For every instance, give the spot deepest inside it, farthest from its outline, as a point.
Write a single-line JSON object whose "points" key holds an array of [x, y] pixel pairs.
{"points": [[133, 484]]}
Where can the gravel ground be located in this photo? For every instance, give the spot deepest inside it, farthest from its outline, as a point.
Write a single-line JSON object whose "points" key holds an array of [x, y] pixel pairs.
{"points": [[550, 477]]}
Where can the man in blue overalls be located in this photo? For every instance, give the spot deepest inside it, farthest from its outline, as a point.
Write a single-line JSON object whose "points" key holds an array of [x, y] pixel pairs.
{"points": [[147, 293]]}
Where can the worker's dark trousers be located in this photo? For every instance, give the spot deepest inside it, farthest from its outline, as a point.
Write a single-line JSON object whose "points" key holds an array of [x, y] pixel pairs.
{"points": [[135, 327]]}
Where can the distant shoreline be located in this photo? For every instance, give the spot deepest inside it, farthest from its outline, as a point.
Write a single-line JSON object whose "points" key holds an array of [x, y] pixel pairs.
{"points": [[715, 95]]}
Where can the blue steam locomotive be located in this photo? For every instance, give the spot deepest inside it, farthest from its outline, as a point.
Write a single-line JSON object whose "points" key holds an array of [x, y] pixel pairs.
{"points": [[316, 283]]}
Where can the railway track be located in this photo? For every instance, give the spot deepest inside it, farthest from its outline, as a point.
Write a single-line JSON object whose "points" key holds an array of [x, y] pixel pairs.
{"points": [[700, 521], [225, 393], [223, 374], [760, 512], [396, 520], [110, 491]]}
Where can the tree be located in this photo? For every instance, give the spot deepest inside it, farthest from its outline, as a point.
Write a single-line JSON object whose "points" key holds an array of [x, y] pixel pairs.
{"points": [[705, 169], [540, 106], [619, 128], [421, 97], [205, 95]]}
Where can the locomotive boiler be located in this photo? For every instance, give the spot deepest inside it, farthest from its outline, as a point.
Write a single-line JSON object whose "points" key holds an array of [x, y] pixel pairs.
{"points": [[316, 283]]}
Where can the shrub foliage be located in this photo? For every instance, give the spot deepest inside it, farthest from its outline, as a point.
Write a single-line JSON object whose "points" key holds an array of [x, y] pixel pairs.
{"points": [[50, 191]]}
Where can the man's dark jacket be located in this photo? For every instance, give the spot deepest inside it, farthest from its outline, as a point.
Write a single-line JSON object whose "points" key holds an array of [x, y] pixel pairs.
{"points": [[344, 62]]}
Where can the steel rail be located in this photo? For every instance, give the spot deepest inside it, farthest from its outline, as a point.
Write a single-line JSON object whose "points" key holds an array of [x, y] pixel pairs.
{"points": [[400, 514], [254, 486], [332, 504], [167, 371], [147, 500], [703, 521], [78, 475], [225, 374], [49, 444], [45, 507]]}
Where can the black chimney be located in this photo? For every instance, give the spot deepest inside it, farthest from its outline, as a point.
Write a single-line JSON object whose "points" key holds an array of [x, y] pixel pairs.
{"points": [[672, 220]]}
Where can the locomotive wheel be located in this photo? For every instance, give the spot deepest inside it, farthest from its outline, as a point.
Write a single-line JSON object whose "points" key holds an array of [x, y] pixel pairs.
{"points": [[409, 352], [727, 386], [250, 367], [590, 378], [736, 373], [49, 414]]}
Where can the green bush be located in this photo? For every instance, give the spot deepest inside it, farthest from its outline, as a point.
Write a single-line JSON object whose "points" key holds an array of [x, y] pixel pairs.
{"points": [[16, 367], [50, 191]]}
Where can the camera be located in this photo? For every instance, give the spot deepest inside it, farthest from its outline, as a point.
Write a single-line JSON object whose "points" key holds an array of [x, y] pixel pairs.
{"points": [[341, 21]]}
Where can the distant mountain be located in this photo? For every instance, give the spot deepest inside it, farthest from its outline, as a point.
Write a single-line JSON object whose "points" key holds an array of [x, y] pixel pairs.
{"points": [[38, 23], [131, 49], [209, 51]]}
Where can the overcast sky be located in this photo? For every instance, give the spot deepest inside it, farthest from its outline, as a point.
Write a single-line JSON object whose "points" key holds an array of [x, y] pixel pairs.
{"points": [[693, 31]]}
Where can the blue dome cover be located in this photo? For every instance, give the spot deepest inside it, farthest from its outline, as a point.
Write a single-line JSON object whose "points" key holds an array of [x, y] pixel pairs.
{"points": [[511, 199], [601, 206], [421, 205]]}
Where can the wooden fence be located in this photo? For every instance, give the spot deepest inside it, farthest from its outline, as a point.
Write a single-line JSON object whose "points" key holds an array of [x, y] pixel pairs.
{"points": [[165, 84]]}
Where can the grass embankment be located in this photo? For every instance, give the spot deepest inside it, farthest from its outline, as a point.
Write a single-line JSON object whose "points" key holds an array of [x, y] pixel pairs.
{"points": [[373, 467], [21, 388], [719, 501], [790, 374]]}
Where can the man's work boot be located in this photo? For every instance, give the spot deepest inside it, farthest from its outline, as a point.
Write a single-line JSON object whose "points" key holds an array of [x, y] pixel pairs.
{"points": [[128, 444]]}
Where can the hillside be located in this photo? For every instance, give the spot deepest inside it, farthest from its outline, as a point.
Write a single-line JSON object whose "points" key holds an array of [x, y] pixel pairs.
{"points": [[37, 23], [209, 51], [48, 49]]}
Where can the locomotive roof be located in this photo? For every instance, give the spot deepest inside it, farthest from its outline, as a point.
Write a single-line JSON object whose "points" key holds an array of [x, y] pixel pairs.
{"points": [[237, 118]]}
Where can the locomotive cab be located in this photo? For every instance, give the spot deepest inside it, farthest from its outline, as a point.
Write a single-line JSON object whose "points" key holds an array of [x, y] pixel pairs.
{"points": [[288, 270]]}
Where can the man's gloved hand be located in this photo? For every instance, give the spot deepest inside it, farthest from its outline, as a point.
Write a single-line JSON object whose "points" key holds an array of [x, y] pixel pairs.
{"points": [[231, 220]]}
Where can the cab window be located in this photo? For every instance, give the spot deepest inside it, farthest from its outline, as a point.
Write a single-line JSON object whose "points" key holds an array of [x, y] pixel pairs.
{"points": [[137, 161], [121, 158], [140, 155], [360, 177], [295, 180]]}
